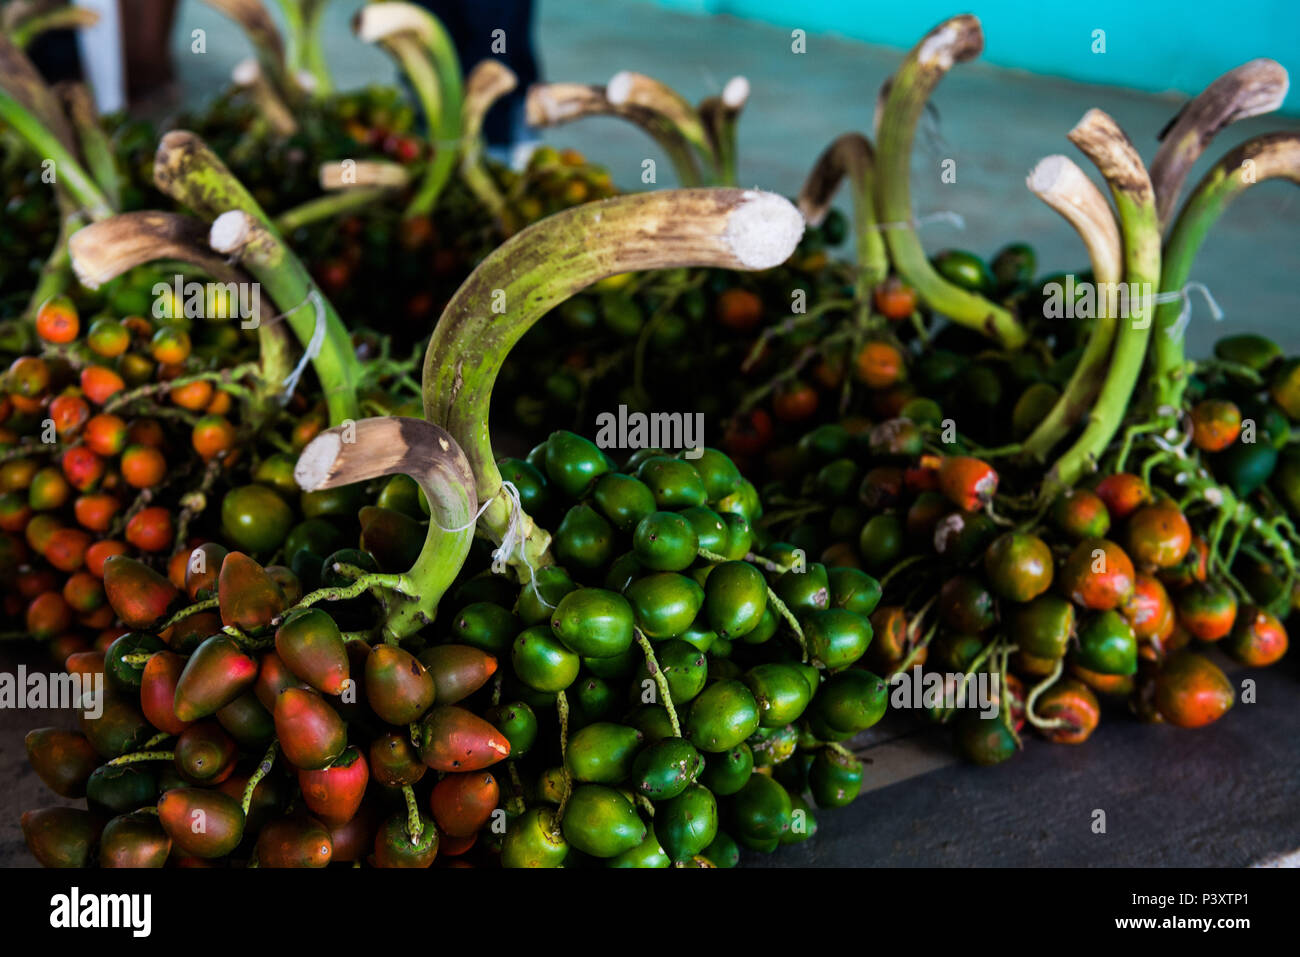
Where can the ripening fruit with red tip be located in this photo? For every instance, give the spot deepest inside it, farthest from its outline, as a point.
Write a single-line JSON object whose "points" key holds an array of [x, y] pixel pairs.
{"points": [[1098, 574], [56, 320], [894, 299], [1123, 493], [879, 365], [105, 434], [64, 760], [1072, 703], [66, 549], [140, 596], [1159, 535], [29, 377], [1216, 423], [150, 529], [453, 739], [68, 412], [311, 646], [1207, 610], [100, 383], [48, 490], [463, 803], [247, 596], [180, 811], [398, 687], [1192, 691], [100, 552], [312, 734], [1258, 638], [458, 670], [334, 793], [142, 466], [297, 840], [739, 309], [170, 345], [194, 396], [48, 615], [1081, 513], [968, 482], [216, 674], [82, 468], [84, 593], [212, 435], [162, 672], [108, 337]]}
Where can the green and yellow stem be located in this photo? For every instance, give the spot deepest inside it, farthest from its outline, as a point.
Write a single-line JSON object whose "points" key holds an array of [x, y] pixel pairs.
{"points": [[1272, 156], [953, 41], [96, 147], [264, 36], [544, 265], [1102, 141], [71, 175], [1059, 182], [376, 447], [487, 83], [304, 51], [721, 116], [850, 156], [630, 89], [329, 206], [69, 17]]}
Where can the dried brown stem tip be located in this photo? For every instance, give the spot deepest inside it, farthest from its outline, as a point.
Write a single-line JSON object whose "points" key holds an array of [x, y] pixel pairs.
{"points": [[1251, 89], [104, 250], [848, 155], [248, 75], [1058, 181], [388, 445], [487, 83], [1102, 141], [636, 89]]}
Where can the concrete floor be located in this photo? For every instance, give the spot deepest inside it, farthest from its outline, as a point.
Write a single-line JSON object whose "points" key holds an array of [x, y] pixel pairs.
{"points": [[994, 123]]}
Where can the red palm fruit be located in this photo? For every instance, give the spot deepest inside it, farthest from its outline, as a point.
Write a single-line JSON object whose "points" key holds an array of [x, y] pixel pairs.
{"points": [[1194, 567], [1098, 575], [394, 760], [311, 733], [61, 836], [968, 482], [450, 846], [191, 631], [266, 802], [16, 475], [95, 510], [119, 729], [294, 841], [355, 839], [398, 687], [56, 320], [146, 432], [98, 554], [87, 664], [1148, 610], [29, 377], [1216, 423], [1123, 493], [15, 513], [739, 309], [216, 674], [248, 597], [1081, 513], [1192, 691], [333, 794], [48, 615], [37, 581], [1018, 566], [894, 299], [135, 840], [108, 338], [158, 683], [100, 383], [794, 401], [140, 596], [68, 411], [1159, 535], [66, 549], [142, 466], [462, 803], [1103, 684], [63, 760], [205, 754], [150, 529], [202, 569], [458, 670], [879, 365], [99, 619], [170, 345], [202, 823], [247, 721], [1073, 702], [395, 848], [311, 646], [212, 435], [274, 677], [194, 396], [220, 403], [1258, 638], [83, 592], [1207, 610], [290, 586], [38, 531], [748, 434], [453, 739], [49, 490]]}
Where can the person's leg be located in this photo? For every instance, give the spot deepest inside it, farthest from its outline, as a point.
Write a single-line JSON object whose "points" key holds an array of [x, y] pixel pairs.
{"points": [[146, 42]]}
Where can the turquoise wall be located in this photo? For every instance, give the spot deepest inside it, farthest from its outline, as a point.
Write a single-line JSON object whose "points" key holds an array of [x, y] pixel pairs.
{"points": [[1156, 45]]}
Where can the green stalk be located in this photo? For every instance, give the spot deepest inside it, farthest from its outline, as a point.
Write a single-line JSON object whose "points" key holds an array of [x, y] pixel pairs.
{"points": [[371, 448], [631, 89], [1062, 185], [58, 18], [1272, 156], [850, 156], [488, 82], [953, 41], [262, 33], [95, 144], [554, 104], [1105, 144], [313, 51], [21, 80], [329, 206], [71, 175], [721, 115], [544, 265]]}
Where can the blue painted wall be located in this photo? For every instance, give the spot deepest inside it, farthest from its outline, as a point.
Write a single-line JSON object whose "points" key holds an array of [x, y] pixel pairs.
{"points": [[1156, 45]]}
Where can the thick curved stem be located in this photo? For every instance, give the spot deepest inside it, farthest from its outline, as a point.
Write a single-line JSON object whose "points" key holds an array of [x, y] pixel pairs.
{"points": [[376, 447], [20, 79], [49, 146], [263, 34], [953, 41], [849, 156], [24, 31], [248, 76], [554, 104], [721, 114], [327, 207], [96, 147], [487, 83], [1272, 156], [1251, 89], [628, 88], [552, 260], [1103, 142], [1058, 182]]}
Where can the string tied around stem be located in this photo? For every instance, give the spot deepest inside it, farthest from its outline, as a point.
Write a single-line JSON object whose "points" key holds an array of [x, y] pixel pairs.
{"points": [[1184, 295]]}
